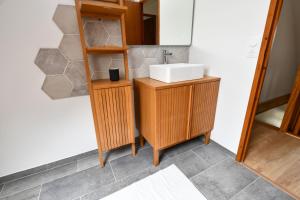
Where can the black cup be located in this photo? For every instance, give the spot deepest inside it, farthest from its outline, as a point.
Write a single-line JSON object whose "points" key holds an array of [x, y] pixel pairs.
{"points": [[114, 74]]}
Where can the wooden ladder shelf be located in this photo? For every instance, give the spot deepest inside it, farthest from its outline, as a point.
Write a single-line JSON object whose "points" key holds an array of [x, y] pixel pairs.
{"points": [[111, 101]]}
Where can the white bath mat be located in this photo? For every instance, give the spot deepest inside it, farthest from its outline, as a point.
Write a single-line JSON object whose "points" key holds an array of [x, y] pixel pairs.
{"points": [[167, 184]]}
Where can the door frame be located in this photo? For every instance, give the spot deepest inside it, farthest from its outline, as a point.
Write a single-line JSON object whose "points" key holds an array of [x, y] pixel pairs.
{"points": [[260, 72]]}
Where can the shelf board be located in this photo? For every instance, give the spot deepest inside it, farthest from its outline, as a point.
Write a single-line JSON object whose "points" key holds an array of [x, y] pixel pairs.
{"points": [[100, 7], [106, 83], [106, 50]]}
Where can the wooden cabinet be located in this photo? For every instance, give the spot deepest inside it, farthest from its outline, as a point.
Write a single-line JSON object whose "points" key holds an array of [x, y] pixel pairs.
{"points": [[111, 101], [113, 115], [204, 107], [114, 112], [171, 113]]}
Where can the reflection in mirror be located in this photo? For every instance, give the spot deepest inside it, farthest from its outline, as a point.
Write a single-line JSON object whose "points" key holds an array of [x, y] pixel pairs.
{"points": [[159, 22]]}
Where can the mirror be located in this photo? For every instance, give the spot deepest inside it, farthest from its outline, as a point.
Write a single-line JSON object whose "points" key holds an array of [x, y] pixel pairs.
{"points": [[159, 22]]}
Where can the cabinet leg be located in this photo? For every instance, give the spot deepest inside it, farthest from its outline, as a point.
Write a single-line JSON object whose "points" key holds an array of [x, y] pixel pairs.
{"points": [[101, 161], [133, 149], [155, 157], [207, 137], [142, 141]]}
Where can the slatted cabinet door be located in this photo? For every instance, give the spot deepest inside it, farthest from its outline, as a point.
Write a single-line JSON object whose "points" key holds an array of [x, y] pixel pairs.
{"points": [[204, 107], [114, 110], [172, 115]]}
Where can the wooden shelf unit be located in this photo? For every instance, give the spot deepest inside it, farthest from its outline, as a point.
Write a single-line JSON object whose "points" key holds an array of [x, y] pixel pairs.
{"points": [[100, 7], [112, 102]]}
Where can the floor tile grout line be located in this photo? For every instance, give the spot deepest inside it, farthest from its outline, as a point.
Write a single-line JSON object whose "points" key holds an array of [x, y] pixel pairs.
{"points": [[1, 189], [112, 170], [14, 193], [200, 159], [226, 156], [226, 153], [61, 165], [145, 148], [122, 179], [133, 174], [40, 192], [198, 156], [250, 184], [198, 146], [117, 181], [217, 163], [277, 186], [4, 183], [110, 184], [178, 154]]}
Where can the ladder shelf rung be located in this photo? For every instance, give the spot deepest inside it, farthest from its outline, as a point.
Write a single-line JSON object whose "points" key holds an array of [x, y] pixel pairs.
{"points": [[106, 50]]}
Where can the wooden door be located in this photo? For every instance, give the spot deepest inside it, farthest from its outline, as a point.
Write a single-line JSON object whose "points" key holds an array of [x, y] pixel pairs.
{"points": [[290, 122], [204, 108], [134, 23], [150, 30], [172, 115], [114, 113]]}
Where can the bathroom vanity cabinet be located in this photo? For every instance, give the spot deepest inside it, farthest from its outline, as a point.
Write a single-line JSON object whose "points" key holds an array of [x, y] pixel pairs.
{"points": [[171, 113]]}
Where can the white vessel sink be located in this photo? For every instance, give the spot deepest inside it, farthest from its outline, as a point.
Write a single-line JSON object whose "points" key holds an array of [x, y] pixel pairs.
{"points": [[170, 73]]}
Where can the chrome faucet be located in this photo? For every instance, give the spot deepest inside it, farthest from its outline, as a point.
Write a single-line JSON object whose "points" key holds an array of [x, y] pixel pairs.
{"points": [[165, 54]]}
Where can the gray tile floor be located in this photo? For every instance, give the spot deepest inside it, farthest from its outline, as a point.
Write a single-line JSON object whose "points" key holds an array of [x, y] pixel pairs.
{"points": [[211, 168]]}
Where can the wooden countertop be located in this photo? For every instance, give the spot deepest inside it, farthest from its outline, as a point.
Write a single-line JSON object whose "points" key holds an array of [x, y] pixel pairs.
{"points": [[161, 85]]}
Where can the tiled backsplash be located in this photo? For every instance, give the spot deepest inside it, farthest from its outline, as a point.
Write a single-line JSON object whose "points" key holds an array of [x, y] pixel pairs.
{"points": [[64, 69]]}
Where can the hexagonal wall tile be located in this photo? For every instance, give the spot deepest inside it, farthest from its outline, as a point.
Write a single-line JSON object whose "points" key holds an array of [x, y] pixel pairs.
{"points": [[100, 75], [51, 61], [68, 80], [113, 27], [76, 74], [136, 57], [95, 33], [140, 72], [83, 90], [57, 86], [114, 41], [65, 19], [152, 52], [70, 46], [100, 62]]}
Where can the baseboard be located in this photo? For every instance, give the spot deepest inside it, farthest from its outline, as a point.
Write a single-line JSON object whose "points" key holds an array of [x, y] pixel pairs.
{"points": [[48, 166], [273, 103], [65, 161], [45, 167]]}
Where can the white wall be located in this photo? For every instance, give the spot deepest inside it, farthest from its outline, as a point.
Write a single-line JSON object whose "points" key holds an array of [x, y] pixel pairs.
{"points": [[283, 64], [35, 130], [227, 36]]}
